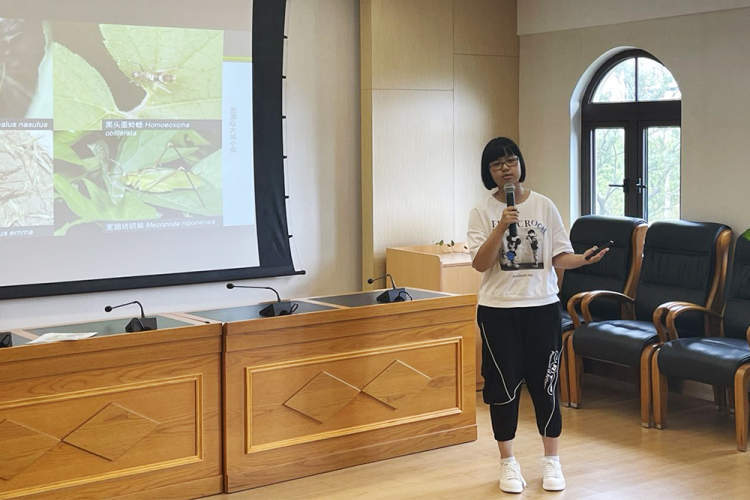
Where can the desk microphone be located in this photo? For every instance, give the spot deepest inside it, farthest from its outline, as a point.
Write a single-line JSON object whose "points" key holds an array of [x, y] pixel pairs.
{"points": [[510, 200], [136, 324], [278, 308], [391, 295]]}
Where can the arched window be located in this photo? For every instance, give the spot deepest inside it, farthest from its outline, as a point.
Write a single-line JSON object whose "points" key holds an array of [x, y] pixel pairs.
{"points": [[630, 147]]}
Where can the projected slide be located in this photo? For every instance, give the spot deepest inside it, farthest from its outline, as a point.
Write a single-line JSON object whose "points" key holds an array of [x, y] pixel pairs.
{"points": [[110, 130]]}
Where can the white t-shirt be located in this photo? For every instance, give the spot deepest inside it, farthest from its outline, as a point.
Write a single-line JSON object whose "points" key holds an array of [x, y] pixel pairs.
{"points": [[522, 275]]}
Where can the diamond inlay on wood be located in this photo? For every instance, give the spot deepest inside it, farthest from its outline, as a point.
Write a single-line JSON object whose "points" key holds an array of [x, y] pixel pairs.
{"points": [[21, 446], [111, 432], [322, 397], [396, 383]]}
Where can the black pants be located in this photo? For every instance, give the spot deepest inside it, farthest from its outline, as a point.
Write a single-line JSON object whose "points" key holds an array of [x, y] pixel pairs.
{"points": [[521, 345]]}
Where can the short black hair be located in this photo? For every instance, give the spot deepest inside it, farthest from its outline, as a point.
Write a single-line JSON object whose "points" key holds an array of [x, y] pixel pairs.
{"points": [[497, 148]]}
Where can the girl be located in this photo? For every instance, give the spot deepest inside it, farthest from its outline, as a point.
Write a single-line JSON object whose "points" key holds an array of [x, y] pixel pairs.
{"points": [[519, 312]]}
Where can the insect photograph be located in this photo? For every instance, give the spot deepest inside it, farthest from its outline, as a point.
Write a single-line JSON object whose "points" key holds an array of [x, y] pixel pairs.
{"points": [[153, 174], [154, 80], [109, 71]]}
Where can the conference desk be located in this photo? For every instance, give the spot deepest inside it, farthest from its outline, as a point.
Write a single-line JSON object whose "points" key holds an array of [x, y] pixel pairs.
{"points": [[344, 381], [118, 414]]}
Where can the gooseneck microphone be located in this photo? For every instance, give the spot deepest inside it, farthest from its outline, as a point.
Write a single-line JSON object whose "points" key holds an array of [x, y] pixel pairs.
{"points": [[391, 295], [386, 275], [278, 308], [136, 324], [510, 200]]}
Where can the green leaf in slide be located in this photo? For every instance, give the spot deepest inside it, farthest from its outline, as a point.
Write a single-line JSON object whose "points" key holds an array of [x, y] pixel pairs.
{"points": [[179, 68], [63, 150], [149, 149], [187, 200], [99, 207], [82, 98], [209, 168]]}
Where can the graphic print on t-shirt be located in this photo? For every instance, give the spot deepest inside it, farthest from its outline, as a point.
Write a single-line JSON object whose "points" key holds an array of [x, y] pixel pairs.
{"points": [[525, 250]]}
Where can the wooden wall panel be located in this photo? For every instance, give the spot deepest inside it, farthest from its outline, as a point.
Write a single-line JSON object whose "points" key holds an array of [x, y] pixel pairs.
{"points": [[412, 168], [412, 44], [485, 27], [420, 157], [486, 106]]}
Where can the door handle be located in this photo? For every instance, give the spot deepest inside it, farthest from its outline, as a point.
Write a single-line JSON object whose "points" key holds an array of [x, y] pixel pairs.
{"points": [[624, 185]]}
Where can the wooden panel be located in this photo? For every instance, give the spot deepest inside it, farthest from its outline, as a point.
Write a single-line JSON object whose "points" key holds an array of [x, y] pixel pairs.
{"points": [[117, 430], [461, 279], [21, 446], [348, 406], [412, 44], [340, 323], [416, 269], [412, 167], [486, 27], [365, 45], [486, 106], [319, 399], [407, 368], [368, 270], [111, 432], [398, 385], [426, 266]]}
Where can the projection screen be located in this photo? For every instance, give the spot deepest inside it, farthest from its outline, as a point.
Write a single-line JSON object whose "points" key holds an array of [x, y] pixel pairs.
{"points": [[140, 144]]}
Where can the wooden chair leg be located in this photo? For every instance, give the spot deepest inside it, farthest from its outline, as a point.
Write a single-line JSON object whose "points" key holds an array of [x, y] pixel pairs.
{"points": [[575, 369], [645, 380], [659, 390], [563, 376], [741, 405]]}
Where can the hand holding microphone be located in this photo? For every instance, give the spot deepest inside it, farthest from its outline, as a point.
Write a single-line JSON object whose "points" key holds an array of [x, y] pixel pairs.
{"points": [[510, 214]]}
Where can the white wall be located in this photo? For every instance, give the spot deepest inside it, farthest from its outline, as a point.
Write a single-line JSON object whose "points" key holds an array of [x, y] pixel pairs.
{"points": [[322, 142], [540, 16], [707, 54]]}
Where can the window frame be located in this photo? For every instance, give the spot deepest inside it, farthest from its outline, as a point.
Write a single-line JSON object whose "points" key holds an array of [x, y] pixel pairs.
{"points": [[635, 117]]}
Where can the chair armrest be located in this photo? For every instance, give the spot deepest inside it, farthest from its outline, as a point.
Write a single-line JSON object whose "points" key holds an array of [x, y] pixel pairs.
{"points": [[660, 315], [571, 307], [678, 308], [596, 294], [747, 334]]}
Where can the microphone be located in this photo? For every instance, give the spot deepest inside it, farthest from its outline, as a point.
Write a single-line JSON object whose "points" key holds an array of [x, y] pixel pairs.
{"points": [[510, 200], [391, 295], [278, 308], [141, 324]]}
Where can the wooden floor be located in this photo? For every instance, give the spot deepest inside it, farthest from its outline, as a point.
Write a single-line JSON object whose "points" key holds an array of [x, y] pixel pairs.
{"points": [[604, 451]]}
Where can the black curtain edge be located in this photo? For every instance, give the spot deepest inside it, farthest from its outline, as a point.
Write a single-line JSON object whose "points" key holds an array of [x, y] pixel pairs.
{"points": [[133, 282]]}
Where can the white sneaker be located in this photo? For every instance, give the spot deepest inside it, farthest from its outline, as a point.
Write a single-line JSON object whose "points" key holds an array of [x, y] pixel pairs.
{"points": [[552, 476], [511, 480]]}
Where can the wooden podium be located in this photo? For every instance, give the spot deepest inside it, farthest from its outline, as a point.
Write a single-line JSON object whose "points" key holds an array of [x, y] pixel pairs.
{"points": [[343, 381], [118, 414], [346, 382], [433, 267]]}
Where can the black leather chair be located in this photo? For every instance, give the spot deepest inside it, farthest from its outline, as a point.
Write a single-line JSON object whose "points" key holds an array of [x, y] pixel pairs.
{"points": [[722, 357], [682, 261], [618, 271]]}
